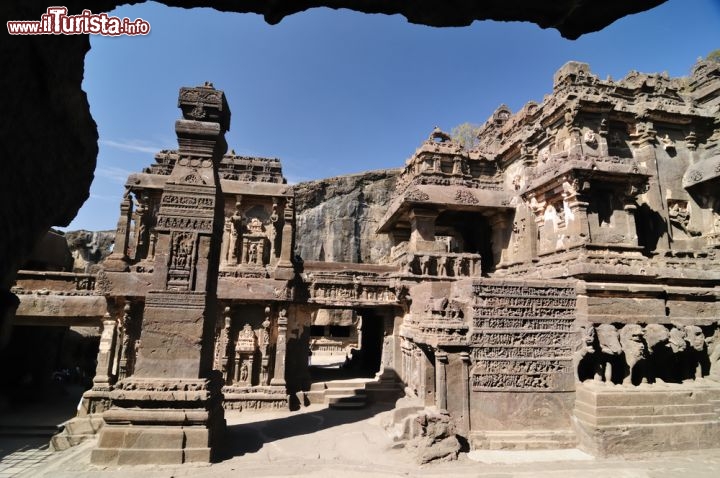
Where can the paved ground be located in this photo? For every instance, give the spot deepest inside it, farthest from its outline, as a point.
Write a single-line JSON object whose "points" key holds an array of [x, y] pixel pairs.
{"points": [[320, 442], [26, 428]]}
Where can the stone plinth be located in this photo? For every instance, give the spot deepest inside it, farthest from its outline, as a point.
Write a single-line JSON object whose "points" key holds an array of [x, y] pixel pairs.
{"points": [[163, 422], [662, 417]]}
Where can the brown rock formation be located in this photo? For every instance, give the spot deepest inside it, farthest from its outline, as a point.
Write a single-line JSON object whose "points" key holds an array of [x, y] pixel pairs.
{"points": [[337, 217]]}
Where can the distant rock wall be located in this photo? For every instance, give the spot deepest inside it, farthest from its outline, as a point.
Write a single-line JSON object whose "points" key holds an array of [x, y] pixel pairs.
{"points": [[89, 248], [337, 217]]}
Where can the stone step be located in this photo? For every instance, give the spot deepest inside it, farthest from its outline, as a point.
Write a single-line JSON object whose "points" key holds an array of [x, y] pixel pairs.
{"points": [[315, 396], [355, 392], [634, 410], [523, 440], [345, 402], [674, 394], [83, 425], [600, 421], [63, 442], [383, 392]]}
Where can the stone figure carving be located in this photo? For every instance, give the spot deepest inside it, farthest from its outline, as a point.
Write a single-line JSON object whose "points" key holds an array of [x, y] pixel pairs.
{"points": [[182, 251], [590, 138], [584, 357], [696, 362], [244, 372], [633, 347], [252, 254], [424, 265], [442, 266], [608, 343], [679, 216], [236, 237], [667, 143], [657, 337], [458, 266], [713, 346]]}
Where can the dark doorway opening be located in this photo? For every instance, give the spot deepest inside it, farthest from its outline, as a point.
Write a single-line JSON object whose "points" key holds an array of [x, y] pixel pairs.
{"points": [[360, 358]]}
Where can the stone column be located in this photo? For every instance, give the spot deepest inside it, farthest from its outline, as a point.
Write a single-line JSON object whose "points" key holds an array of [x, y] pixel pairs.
{"points": [[441, 360], [422, 228], [500, 226], [226, 239], [280, 348], [465, 357], [284, 268], [170, 410], [118, 260], [577, 224], [103, 372]]}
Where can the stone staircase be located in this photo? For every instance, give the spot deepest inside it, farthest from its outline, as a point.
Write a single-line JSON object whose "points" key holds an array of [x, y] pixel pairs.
{"points": [[353, 393], [75, 431], [340, 393], [621, 420]]}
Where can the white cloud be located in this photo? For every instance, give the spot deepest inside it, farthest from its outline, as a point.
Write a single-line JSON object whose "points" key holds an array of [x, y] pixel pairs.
{"points": [[133, 146], [113, 173]]}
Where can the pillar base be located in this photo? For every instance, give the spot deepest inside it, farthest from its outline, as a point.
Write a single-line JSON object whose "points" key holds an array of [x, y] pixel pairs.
{"points": [[160, 421]]}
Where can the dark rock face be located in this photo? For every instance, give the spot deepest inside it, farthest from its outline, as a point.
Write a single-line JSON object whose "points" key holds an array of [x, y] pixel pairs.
{"points": [[49, 139], [89, 248], [571, 18], [337, 217]]}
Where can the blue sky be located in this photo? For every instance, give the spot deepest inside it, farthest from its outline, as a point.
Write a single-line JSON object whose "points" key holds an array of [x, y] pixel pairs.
{"points": [[337, 92]]}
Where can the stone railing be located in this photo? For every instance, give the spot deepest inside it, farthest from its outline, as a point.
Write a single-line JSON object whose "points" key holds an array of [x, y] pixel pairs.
{"points": [[444, 264], [51, 282]]}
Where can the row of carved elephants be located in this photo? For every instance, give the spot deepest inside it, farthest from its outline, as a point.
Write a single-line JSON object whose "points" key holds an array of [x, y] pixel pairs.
{"points": [[632, 354]]}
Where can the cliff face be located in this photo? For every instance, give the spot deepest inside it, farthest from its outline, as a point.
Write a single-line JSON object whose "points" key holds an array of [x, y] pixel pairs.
{"points": [[89, 248], [337, 217]]}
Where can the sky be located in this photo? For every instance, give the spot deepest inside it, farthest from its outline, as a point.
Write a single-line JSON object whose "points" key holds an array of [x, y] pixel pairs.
{"points": [[334, 92]]}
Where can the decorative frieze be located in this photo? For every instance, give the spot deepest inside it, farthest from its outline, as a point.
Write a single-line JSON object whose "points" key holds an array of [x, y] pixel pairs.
{"points": [[522, 337]]}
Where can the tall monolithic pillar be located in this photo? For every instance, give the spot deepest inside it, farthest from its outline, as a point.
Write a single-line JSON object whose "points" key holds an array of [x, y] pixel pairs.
{"points": [[170, 410]]}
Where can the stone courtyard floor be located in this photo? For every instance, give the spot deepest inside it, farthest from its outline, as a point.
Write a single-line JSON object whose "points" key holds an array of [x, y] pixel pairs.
{"points": [[322, 442]]}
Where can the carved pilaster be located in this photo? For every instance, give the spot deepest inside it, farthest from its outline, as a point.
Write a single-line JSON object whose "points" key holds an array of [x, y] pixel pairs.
{"points": [[118, 260], [441, 360], [280, 349], [465, 424], [284, 269], [103, 372]]}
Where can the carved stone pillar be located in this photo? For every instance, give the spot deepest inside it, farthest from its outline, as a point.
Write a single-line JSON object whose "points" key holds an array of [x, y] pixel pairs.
{"points": [[226, 239], [280, 348], [124, 326], [221, 347], [500, 226], [465, 424], [441, 360], [577, 221], [284, 269], [173, 373], [264, 345], [118, 260], [103, 372], [422, 227]]}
